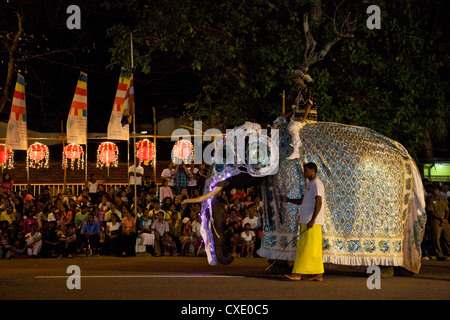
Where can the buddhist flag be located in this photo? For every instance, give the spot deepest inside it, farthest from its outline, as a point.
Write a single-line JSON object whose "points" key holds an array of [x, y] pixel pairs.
{"points": [[128, 111], [77, 119], [16, 135], [117, 131]]}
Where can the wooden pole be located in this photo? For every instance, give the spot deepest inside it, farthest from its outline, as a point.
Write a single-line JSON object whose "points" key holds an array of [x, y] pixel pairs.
{"points": [[284, 102], [65, 165], [154, 143], [134, 128]]}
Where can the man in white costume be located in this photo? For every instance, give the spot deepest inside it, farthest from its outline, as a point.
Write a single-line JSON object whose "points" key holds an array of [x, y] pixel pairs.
{"points": [[303, 111]]}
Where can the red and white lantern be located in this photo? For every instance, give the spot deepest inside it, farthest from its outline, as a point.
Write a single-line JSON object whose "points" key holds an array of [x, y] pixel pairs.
{"points": [[75, 153], [183, 151], [107, 155], [37, 156], [6, 157], [145, 151]]}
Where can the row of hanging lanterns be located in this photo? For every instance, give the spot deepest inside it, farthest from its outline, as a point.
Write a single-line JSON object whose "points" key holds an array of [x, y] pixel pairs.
{"points": [[107, 154]]}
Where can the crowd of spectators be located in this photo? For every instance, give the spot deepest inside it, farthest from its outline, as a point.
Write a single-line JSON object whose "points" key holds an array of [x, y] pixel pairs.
{"points": [[105, 222]]}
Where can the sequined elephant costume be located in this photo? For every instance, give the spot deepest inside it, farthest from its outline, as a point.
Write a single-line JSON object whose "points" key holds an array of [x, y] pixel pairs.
{"points": [[374, 194]]}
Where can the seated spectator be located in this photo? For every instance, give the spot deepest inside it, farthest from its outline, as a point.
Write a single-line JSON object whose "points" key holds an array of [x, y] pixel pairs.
{"points": [[67, 241], [112, 232], [19, 248], [33, 241], [237, 244], [50, 240], [182, 195], [81, 217], [104, 206], [175, 229], [145, 231], [90, 235], [249, 238], [128, 240], [5, 247], [113, 210], [160, 228], [186, 235], [197, 240], [166, 203], [170, 247], [239, 194]]}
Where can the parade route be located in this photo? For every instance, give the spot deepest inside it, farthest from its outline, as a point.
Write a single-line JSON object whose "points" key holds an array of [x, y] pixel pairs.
{"points": [[183, 278]]}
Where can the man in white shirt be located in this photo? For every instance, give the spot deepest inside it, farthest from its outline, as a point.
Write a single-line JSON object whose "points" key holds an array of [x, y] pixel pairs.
{"points": [[308, 259], [169, 175], [139, 174]]}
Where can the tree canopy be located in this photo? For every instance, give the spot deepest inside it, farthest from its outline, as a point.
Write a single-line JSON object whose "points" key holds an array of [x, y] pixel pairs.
{"points": [[224, 62]]}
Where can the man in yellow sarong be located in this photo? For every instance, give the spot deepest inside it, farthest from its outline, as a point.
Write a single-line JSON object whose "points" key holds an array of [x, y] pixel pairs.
{"points": [[308, 260]]}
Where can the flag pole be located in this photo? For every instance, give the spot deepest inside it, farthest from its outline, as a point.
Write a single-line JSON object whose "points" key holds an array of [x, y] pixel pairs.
{"points": [[134, 129], [86, 154]]}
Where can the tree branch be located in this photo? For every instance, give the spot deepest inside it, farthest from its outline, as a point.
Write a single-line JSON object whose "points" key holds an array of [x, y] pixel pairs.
{"points": [[10, 72]]}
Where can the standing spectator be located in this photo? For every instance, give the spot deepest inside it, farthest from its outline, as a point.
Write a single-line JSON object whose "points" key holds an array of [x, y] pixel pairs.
{"points": [[169, 175], [192, 180], [33, 241], [7, 183], [165, 191], [201, 177], [438, 210], [92, 186], [139, 176], [128, 240], [181, 175]]}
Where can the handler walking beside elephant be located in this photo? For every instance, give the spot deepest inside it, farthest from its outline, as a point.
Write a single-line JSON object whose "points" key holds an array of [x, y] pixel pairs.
{"points": [[308, 258]]}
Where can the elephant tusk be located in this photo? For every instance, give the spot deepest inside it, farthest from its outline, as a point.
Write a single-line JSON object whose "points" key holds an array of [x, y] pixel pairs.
{"points": [[204, 197]]}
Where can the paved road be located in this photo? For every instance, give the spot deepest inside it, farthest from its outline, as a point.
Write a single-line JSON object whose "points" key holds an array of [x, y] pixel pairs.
{"points": [[183, 278]]}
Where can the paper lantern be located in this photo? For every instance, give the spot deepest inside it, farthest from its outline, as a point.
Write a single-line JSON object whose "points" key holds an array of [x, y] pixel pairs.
{"points": [[145, 151], [6, 157], [183, 151], [75, 153], [37, 156], [107, 155]]}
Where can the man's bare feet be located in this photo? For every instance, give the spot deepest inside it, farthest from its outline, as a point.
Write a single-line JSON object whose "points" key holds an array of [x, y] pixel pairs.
{"points": [[316, 277], [293, 276]]}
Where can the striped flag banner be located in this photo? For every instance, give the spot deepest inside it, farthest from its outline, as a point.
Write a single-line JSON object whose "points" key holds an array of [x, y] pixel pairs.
{"points": [[77, 119], [16, 135], [116, 131], [128, 111]]}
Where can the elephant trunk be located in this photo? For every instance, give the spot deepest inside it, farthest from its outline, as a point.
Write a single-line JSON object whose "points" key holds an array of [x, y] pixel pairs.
{"points": [[220, 246]]}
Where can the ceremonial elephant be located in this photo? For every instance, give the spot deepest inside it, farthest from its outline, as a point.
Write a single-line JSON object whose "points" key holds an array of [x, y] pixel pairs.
{"points": [[374, 197]]}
